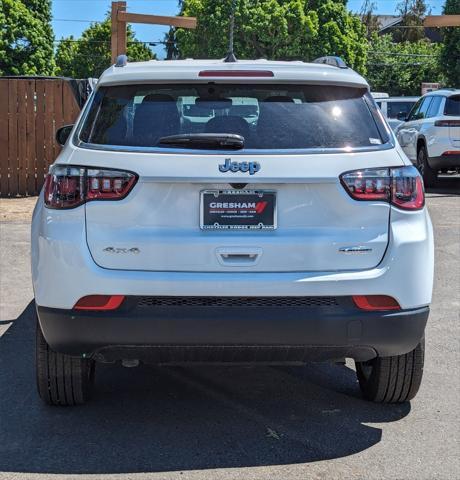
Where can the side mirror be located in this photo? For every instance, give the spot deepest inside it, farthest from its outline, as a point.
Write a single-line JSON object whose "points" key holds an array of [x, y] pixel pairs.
{"points": [[401, 116], [62, 134]]}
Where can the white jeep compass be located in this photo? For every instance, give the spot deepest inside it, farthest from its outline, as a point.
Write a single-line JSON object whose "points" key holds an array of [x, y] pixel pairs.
{"points": [[253, 211]]}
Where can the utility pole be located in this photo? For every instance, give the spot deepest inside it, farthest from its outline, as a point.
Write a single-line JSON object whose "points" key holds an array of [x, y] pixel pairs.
{"points": [[120, 17]]}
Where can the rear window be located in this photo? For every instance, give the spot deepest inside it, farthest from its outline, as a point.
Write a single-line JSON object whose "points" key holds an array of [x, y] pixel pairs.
{"points": [[452, 106], [269, 117]]}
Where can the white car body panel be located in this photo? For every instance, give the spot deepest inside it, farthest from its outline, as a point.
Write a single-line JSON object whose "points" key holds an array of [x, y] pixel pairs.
{"points": [[300, 258], [177, 71], [60, 258]]}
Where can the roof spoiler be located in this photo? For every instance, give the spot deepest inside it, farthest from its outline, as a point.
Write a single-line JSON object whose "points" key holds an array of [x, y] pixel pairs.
{"points": [[332, 61]]}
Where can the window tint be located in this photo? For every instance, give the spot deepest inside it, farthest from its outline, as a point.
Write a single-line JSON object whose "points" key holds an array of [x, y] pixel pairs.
{"points": [[394, 108], [414, 112], [434, 107], [421, 114], [452, 106], [267, 116]]}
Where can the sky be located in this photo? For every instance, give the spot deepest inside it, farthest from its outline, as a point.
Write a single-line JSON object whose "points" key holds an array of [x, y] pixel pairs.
{"points": [[71, 17]]}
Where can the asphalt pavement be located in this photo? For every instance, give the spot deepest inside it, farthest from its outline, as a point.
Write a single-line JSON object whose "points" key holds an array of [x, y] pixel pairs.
{"points": [[233, 422]]}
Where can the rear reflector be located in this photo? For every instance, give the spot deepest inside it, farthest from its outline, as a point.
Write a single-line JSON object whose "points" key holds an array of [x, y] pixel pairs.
{"points": [[236, 73], [99, 302], [376, 302]]}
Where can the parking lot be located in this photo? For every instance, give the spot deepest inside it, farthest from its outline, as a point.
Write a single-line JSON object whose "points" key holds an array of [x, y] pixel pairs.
{"points": [[231, 422]]}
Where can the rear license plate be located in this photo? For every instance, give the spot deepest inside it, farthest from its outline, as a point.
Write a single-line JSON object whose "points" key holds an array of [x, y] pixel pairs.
{"points": [[238, 210]]}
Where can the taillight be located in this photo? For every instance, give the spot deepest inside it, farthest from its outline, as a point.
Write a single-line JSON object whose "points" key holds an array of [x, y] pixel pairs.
{"points": [[407, 188], [447, 123], [375, 302], [369, 184], [70, 186], [400, 186]]}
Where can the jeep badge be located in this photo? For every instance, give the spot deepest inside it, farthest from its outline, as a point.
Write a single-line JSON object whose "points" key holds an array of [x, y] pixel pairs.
{"points": [[229, 166]]}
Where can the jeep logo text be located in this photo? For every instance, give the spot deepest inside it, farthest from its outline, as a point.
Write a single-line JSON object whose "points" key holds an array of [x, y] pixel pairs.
{"points": [[229, 166]]}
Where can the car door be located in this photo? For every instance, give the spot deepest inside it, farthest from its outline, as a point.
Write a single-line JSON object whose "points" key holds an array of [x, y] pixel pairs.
{"points": [[408, 133], [428, 130]]}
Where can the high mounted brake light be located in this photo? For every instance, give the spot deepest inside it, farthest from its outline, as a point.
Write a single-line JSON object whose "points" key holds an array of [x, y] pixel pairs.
{"points": [[236, 73], [400, 186], [71, 186]]}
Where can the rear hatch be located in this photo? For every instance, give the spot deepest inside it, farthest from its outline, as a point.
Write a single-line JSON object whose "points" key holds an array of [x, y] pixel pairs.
{"points": [[275, 205]]}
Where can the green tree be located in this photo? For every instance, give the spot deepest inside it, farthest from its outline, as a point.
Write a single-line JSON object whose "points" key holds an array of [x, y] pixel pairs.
{"points": [[90, 55], [368, 18], [170, 44], [26, 38], [342, 34], [65, 55], [412, 14], [450, 52], [274, 29], [400, 68]]}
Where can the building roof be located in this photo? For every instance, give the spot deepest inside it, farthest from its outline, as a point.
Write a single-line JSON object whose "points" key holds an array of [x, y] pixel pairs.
{"points": [[388, 23]]}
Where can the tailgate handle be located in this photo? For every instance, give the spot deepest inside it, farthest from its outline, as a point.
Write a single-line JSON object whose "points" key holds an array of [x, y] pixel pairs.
{"points": [[238, 257]]}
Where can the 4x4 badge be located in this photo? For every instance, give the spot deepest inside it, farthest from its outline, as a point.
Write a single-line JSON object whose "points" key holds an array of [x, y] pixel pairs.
{"points": [[229, 166]]}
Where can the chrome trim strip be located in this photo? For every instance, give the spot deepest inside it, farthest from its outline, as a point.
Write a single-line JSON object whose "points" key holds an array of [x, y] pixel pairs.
{"points": [[355, 250]]}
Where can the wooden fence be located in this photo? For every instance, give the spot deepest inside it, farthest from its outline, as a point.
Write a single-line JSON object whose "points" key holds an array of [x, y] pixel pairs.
{"points": [[31, 110]]}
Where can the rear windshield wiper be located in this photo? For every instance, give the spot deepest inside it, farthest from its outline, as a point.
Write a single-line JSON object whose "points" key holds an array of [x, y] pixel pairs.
{"points": [[225, 141]]}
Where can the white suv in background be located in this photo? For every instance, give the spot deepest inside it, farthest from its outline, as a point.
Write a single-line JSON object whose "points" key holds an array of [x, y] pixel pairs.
{"points": [[395, 108], [430, 136], [275, 219]]}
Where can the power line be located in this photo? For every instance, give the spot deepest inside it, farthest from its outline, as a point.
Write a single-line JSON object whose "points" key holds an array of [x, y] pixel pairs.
{"points": [[130, 1], [403, 54], [400, 64], [147, 42], [76, 20]]}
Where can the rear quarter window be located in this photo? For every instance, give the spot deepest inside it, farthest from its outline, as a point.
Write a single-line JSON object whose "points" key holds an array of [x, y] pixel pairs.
{"points": [[452, 106]]}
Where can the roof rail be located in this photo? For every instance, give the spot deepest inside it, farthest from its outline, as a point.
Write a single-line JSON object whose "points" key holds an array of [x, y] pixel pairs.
{"points": [[122, 61], [332, 61]]}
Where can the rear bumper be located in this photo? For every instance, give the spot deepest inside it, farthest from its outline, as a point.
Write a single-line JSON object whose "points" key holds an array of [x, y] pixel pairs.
{"points": [[63, 270], [445, 162], [241, 333]]}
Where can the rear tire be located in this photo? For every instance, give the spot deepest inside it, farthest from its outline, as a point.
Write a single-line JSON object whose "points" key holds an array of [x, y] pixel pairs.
{"points": [[392, 379], [429, 175], [62, 379]]}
